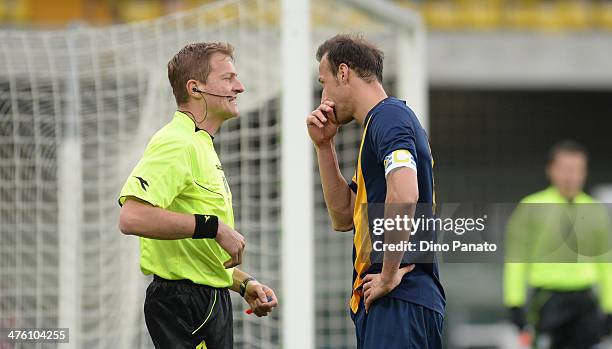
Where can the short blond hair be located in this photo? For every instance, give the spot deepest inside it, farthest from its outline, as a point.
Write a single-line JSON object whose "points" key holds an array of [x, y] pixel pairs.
{"points": [[193, 62]]}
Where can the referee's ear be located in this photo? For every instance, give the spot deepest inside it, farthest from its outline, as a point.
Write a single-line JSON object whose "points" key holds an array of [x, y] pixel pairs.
{"points": [[192, 89], [547, 170]]}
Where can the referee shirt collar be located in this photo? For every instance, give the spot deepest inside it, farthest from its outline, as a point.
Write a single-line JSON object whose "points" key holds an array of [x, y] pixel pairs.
{"points": [[187, 121]]}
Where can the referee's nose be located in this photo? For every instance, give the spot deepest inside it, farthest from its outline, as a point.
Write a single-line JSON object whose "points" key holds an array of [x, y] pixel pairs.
{"points": [[238, 87]]}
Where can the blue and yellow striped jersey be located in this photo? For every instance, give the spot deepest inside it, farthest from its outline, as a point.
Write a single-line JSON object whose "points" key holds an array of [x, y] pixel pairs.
{"points": [[392, 126]]}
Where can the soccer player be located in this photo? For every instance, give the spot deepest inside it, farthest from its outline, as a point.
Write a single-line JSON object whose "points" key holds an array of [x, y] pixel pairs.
{"points": [[178, 201], [393, 304], [563, 307]]}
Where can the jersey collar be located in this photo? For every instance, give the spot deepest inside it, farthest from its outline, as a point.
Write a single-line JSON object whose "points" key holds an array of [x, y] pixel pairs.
{"points": [[554, 193], [186, 121], [373, 110]]}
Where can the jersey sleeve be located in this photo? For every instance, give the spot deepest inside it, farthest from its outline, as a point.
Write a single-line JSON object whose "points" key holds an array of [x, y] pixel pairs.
{"points": [[604, 268], [161, 175], [515, 269], [605, 285], [391, 131]]}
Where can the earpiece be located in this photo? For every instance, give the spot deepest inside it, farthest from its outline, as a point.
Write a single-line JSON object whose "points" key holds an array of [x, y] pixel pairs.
{"points": [[195, 89]]}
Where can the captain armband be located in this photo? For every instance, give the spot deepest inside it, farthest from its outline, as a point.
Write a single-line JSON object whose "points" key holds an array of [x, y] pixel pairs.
{"points": [[399, 158]]}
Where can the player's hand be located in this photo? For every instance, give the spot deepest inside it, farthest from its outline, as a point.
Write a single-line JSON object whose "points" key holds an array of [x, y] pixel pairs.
{"points": [[260, 297], [232, 242], [375, 287], [322, 123]]}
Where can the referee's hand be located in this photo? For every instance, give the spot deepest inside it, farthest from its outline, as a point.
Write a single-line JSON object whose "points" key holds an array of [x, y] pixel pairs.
{"points": [[261, 298], [232, 242]]}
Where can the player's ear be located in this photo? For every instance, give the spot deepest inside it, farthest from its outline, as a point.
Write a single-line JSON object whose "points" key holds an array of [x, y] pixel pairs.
{"points": [[343, 73]]}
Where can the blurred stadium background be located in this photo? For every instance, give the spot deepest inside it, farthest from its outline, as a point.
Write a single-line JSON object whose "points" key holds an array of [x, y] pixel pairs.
{"points": [[82, 88]]}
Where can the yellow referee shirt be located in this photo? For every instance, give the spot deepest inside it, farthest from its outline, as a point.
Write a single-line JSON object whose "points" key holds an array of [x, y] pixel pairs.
{"points": [[536, 225], [181, 172]]}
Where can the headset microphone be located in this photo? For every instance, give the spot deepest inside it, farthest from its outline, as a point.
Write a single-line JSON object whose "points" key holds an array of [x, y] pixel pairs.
{"points": [[195, 89]]}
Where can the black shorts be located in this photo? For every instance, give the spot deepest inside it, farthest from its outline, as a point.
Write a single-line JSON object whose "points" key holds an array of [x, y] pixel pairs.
{"points": [[572, 320], [182, 314]]}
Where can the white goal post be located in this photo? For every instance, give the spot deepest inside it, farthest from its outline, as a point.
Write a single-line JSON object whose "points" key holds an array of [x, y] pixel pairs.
{"points": [[407, 34], [77, 107]]}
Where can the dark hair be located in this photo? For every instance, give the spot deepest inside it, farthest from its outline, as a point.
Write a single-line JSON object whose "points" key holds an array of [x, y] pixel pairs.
{"points": [[193, 62], [566, 147], [354, 51]]}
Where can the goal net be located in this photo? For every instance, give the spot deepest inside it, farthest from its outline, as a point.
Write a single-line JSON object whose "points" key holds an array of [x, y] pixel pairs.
{"points": [[77, 107]]}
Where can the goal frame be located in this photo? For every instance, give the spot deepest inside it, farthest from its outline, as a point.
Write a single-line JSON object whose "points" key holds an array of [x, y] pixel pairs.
{"points": [[298, 303]]}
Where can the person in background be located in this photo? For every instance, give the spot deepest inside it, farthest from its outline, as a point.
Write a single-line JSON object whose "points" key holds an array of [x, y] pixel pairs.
{"points": [[562, 309]]}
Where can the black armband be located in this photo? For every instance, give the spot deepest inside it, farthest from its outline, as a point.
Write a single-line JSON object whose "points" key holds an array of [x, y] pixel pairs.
{"points": [[206, 226]]}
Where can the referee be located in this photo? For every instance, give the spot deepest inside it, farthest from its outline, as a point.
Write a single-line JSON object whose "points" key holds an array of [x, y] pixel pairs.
{"points": [[178, 202], [559, 222]]}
